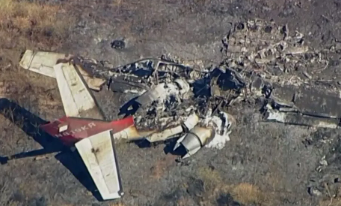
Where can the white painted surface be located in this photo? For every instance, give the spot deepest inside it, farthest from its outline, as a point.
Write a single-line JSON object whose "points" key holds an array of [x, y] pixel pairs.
{"points": [[74, 93], [40, 62], [98, 156]]}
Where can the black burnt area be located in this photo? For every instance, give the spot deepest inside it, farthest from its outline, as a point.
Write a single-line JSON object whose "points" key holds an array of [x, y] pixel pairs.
{"points": [[240, 26], [228, 80], [201, 88], [122, 83], [149, 68], [118, 44], [227, 200], [172, 104], [140, 69], [268, 29]]}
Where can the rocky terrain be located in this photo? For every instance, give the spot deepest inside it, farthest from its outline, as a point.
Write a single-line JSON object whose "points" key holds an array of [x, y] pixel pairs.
{"points": [[263, 164]]}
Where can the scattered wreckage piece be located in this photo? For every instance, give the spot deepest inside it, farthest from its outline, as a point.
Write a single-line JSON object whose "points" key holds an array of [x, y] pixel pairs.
{"points": [[316, 101], [296, 118], [211, 132], [304, 105], [259, 45], [140, 76], [196, 64], [279, 68]]}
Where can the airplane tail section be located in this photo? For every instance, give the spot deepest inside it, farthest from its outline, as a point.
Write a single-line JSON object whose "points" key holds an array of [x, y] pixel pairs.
{"points": [[84, 125]]}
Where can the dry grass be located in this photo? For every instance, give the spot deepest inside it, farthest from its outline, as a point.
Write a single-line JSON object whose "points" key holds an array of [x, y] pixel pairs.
{"points": [[13, 203], [28, 90], [161, 166], [118, 204], [332, 196], [249, 194], [23, 22], [244, 193], [19, 85], [183, 202], [12, 136], [212, 179], [330, 202], [7, 88]]}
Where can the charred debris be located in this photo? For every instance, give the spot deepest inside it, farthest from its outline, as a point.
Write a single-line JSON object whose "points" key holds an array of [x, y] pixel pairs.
{"points": [[171, 98]]}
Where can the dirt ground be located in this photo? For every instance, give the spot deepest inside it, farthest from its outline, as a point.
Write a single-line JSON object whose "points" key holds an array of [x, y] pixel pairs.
{"points": [[264, 164]]}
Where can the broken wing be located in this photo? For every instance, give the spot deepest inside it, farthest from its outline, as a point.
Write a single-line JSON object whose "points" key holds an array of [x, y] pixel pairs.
{"points": [[76, 97], [99, 157], [43, 62]]}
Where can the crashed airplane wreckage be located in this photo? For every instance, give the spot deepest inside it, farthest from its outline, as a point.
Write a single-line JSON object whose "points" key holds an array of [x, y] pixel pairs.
{"points": [[153, 115], [170, 99], [165, 106]]}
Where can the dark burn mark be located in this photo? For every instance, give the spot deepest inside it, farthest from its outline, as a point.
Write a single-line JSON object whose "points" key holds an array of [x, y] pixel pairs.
{"points": [[118, 44], [268, 29], [227, 199], [240, 26]]}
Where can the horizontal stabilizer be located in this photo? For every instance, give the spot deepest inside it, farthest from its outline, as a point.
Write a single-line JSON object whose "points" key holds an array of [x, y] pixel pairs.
{"points": [[76, 97], [41, 62], [99, 157]]}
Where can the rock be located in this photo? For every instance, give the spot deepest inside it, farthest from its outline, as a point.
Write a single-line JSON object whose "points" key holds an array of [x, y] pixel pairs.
{"points": [[314, 192]]}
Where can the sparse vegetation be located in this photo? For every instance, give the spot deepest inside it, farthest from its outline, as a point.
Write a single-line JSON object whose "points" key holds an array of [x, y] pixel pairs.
{"points": [[243, 193], [23, 22], [246, 193], [211, 178], [37, 88], [118, 204]]}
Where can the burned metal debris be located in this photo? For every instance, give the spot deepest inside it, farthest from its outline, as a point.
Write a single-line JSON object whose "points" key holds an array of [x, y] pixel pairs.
{"points": [[279, 67], [263, 61], [257, 44], [172, 98]]}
